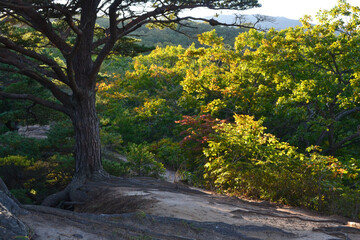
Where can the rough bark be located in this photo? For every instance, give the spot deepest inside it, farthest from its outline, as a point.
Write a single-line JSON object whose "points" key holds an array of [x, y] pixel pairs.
{"points": [[87, 138]]}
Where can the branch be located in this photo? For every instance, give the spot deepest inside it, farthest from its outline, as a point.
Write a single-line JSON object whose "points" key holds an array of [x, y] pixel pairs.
{"points": [[346, 112], [111, 39], [20, 62], [214, 22], [38, 22], [50, 62], [45, 103], [338, 118], [345, 140], [68, 18]]}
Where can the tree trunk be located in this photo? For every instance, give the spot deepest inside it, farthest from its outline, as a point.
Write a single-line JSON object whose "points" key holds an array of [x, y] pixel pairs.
{"points": [[84, 117], [87, 138], [83, 112]]}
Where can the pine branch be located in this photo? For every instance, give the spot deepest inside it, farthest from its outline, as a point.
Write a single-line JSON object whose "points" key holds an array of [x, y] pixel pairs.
{"points": [[49, 104]]}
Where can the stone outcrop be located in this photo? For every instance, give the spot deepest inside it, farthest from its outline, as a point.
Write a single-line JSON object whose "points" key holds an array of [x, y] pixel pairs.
{"points": [[34, 131]]}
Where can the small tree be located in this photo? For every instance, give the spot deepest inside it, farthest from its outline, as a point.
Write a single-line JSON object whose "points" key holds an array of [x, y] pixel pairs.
{"points": [[59, 45]]}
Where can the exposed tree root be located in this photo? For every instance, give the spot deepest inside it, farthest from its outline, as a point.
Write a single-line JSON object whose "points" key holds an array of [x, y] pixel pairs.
{"points": [[56, 198]]}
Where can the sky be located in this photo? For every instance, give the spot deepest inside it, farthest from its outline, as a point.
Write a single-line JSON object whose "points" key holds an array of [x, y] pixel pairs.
{"points": [[292, 9]]}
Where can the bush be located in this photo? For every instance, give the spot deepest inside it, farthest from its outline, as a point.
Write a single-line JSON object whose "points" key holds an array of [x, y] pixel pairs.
{"points": [[243, 159], [142, 162], [35, 180], [61, 170], [111, 140], [169, 153], [13, 170], [197, 131], [116, 168]]}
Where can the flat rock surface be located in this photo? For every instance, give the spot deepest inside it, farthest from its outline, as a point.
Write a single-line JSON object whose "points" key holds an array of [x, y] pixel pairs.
{"points": [[163, 210]]}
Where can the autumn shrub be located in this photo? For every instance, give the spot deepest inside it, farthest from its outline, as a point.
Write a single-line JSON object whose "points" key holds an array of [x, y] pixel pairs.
{"points": [[142, 162], [197, 132], [243, 159], [13, 170], [342, 196]]}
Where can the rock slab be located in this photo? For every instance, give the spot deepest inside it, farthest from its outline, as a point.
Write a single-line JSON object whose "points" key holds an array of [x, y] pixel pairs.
{"points": [[10, 226]]}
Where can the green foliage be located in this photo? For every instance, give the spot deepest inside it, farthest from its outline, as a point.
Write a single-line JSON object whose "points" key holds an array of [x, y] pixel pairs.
{"points": [[62, 170], [112, 140], [302, 81], [12, 170], [142, 162], [141, 105], [61, 136], [60, 139], [21, 195], [11, 143], [311, 76], [169, 153], [24, 112], [116, 168]]}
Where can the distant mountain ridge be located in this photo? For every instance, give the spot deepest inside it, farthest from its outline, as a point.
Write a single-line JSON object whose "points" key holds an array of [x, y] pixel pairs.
{"points": [[156, 37], [278, 23], [164, 37]]}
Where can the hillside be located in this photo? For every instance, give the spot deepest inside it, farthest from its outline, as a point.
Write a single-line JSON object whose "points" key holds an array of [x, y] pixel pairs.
{"points": [[279, 23], [184, 36]]}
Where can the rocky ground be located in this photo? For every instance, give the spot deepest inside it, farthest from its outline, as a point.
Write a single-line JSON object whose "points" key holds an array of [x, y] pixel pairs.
{"points": [[146, 208]]}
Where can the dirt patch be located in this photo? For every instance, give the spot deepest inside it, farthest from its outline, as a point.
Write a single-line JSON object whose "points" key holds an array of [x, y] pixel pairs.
{"points": [[163, 210]]}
